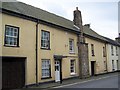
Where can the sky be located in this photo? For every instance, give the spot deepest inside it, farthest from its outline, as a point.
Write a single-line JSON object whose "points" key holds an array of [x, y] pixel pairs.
{"points": [[102, 15]]}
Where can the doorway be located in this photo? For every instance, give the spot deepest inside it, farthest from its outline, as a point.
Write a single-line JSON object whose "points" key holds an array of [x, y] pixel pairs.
{"points": [[13, 72], [92, 68], [57, 71]]}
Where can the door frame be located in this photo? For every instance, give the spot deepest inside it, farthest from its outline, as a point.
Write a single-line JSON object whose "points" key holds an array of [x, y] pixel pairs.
{"points": [[93, 68], [60, 63], [56, 64]]}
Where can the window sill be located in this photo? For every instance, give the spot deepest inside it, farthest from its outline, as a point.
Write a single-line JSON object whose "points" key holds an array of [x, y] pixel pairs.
{"points": [[45, 49], [45, 78], [11, 46], [71, 52], [72, 74]]}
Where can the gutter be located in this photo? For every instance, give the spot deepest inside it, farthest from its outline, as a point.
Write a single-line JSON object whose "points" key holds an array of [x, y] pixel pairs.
{"points": [[37, 52]]}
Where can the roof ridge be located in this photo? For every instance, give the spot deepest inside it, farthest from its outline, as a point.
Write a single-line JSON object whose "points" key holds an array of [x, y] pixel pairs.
{"points": [[45, 11]]}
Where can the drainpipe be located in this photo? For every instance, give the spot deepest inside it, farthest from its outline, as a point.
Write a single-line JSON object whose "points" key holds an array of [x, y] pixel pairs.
{"points": [[37, 53], [106, 56]]}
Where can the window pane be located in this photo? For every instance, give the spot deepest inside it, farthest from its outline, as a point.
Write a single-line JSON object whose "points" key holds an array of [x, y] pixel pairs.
{"points": [[45, 40], [45, 68], [11, 35], [71, 45], [72, 66]]}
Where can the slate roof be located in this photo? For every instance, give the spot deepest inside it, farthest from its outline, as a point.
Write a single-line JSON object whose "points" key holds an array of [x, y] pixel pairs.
{"points": [[112, 41], [31, 11], [90, 32]]}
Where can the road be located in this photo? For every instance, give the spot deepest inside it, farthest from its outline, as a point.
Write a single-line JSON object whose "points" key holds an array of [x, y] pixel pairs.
{"points": [[110, 81]]}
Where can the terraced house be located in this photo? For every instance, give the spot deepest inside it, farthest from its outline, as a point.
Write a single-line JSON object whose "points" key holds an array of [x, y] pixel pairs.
{"points": [[97, 51], [38, 47]]}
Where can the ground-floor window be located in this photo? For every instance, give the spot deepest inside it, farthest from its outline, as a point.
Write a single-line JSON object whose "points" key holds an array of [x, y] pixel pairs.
{"points": [[46, 68], [105, 66], [72, 66], [113, 65]]}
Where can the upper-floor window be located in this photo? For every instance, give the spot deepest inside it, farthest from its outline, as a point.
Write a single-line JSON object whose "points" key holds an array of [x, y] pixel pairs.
{"points": [[11, 36], [45, 40], [116, 51], [71, 46], [46, 68], [112, 50], [104, 52], [92, 49]]}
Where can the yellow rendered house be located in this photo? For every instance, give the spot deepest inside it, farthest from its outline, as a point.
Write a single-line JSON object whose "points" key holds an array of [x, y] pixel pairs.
{"points": [[38, 47]]}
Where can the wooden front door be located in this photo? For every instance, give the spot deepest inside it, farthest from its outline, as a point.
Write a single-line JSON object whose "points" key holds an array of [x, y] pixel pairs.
{"points": [[13, 73]]}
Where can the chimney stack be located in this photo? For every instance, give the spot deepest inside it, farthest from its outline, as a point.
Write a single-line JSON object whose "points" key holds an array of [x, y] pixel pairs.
{"points": [[77, 18], [82, 46], [87, 25], [118, 38]]}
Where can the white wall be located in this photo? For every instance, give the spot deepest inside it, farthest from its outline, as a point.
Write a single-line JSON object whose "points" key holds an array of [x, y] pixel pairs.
{"points": [[111, 57]]}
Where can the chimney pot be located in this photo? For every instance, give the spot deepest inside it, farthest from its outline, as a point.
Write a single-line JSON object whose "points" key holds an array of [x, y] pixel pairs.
{"points": [[77, 18], [76, 8], [87, 25]]}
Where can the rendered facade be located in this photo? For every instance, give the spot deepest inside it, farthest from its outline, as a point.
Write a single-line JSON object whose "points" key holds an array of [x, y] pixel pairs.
{"points": [[38, 47]]}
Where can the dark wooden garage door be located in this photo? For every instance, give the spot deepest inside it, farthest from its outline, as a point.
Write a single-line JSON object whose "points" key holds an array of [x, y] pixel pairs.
{"points": [[13, 73]]}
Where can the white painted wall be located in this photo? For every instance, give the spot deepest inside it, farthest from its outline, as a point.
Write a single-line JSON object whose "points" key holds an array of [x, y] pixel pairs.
{"points": [[111, 57], [119, 57]]}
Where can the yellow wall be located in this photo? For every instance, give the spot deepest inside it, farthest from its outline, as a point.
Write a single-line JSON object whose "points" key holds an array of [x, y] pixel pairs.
{"points": [[0, 34], [98, 58], [26, 43], [59, 45]]}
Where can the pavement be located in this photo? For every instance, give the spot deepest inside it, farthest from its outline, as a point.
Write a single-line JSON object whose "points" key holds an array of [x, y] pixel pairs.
{"points": [[72, 81]]}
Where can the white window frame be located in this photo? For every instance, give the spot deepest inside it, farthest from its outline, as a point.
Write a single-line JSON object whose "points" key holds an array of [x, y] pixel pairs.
{"points": [[11, 35], [45, 37], [46, 68], [71, 46], [116, 51], [72, 67], [112, 50], [92, 50]]}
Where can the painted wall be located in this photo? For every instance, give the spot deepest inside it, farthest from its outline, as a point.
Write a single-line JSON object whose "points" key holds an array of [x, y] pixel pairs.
{"points": [[119, 57], [112, 57], [26, 44], [0, 34], [59, 45], [98, 58], [0, 51]]}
